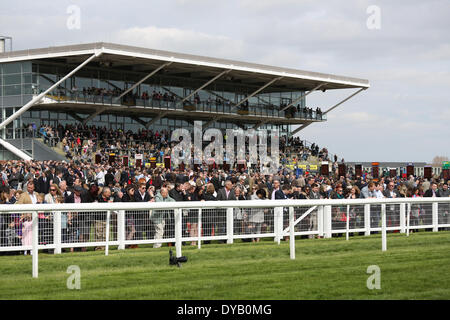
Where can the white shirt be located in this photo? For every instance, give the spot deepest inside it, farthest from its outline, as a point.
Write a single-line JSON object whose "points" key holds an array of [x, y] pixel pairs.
{"points": [[33, 197], [100, 177]]}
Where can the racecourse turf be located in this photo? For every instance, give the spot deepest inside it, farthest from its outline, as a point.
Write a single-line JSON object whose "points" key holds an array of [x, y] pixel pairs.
{"points": [[414, 267]]}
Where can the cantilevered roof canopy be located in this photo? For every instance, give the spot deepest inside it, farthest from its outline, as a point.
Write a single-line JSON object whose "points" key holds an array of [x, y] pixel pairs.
{"points": [[138, 61]]}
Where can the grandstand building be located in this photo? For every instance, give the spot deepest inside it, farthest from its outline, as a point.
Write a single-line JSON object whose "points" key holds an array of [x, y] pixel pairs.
{"points": [[125, 87]]}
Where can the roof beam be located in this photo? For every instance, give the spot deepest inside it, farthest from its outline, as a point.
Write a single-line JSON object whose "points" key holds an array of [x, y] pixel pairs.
{"points": [[40, 96], [143, 79], [206, 84], [304, 96]]}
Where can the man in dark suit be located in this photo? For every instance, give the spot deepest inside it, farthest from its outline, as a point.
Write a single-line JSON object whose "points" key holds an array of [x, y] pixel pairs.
{"points": [[81, 221], [43, 183], [432, 192], [224, 194], [391, 217], [142, 218]]}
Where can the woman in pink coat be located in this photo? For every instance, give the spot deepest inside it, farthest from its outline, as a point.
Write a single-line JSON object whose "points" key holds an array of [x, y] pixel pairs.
{"points": [[27, 231]]}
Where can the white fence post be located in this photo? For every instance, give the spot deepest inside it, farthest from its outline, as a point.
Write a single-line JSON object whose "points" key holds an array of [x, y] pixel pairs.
{"points": [[199, 242], [402, 217], [178, 231], [121, 229], [383, 228], [291, 233], [57, 232], [320, 221], [327, 221], [408, 219], [35, 242], [367, 219], [347, 222], [278, 224], [230, 225], [108, 218], [435, 217]]}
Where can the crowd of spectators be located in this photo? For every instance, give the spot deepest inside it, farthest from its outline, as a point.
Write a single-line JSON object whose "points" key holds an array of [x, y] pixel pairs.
{"points": [[26, 182], [81, 143]]}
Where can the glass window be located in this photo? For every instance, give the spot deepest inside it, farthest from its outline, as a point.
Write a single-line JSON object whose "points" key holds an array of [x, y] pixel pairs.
{"points": [[12, 79], [12, 90], [26, 89], [26, 66], [35, 114], [53, 115], [26, 78], [12, 68]]}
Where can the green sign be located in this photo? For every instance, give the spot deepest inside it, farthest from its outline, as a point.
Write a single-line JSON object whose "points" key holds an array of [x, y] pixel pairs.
{"points": [[446, 165]]}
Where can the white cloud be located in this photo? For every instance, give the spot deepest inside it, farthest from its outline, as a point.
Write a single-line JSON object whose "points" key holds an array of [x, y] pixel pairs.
{"points": [[185, 41]]}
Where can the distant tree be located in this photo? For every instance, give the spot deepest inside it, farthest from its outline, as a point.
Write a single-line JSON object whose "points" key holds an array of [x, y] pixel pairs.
{"points": [[437, 161]]}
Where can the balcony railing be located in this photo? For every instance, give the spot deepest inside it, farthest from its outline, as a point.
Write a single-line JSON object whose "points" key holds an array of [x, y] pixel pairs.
{"points": [[269, 111]]}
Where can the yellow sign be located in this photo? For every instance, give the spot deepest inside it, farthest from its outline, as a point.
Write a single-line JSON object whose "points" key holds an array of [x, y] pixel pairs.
{"points": [[147, 165], [290, 166], [160, 165], [302, 166], [313, 167]]}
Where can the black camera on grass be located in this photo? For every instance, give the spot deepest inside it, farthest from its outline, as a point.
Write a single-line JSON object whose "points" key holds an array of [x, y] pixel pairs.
{"points": [[173, 260]]}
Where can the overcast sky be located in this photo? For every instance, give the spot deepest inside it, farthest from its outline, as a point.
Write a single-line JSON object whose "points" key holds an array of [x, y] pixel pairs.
{"points": [[404, 116]]}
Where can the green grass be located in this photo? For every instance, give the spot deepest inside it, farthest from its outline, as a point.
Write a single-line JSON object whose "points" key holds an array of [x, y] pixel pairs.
{"points": [[414, 267]]}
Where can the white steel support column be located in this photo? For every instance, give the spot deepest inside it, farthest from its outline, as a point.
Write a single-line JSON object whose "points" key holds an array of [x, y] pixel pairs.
{"points": [[142, 80], [92, 116], [304, 96], [257, 91], [40, 96], [331, 109], [157, 118], [205, 85]]}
